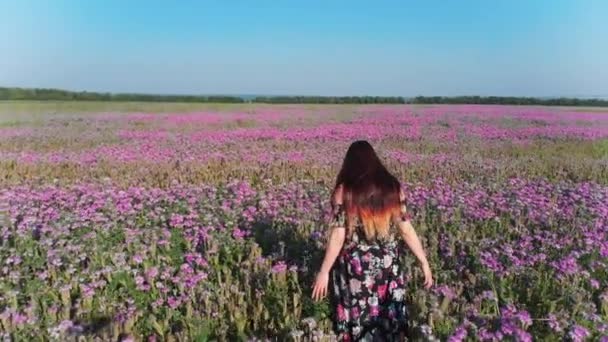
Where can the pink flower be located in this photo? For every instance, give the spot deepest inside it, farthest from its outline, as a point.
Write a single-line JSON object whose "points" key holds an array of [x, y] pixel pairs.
{"points": [[65, 325], [138, 259], [173, 302], [139, 280], [151, 273], [87, 291], [239, 234], [578, 333], [279, 267], [19, 318], [158, 303]]}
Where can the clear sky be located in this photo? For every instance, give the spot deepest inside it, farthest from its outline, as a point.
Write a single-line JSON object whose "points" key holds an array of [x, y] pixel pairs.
{"points": [[308, 47]]}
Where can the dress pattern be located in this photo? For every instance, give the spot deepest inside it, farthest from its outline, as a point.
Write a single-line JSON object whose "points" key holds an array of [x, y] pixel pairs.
{"points": [[368, 285]]}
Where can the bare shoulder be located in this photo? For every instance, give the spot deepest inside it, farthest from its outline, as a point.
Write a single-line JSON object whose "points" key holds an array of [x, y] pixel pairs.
{"points": [[338, 194]]}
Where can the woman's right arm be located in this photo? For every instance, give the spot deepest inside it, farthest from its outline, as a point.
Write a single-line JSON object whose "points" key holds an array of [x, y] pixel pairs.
{"points": [[409, 235], [334, 246], [413, 242]]}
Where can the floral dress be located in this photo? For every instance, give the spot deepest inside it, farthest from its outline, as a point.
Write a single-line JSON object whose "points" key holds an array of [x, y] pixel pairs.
{"points": [[368, 284]]}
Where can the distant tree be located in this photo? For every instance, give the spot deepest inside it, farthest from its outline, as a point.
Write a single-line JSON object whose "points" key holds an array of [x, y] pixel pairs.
{"points": [[508, 101], [46, 94]]}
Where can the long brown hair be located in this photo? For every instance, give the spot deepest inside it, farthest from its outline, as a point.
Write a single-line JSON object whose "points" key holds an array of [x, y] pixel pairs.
{"points": [[369, 191]]}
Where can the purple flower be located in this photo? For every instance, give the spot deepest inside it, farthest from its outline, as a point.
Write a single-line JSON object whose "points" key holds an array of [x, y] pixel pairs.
{"points": [[567, 266], [524, 318], [151, 273], [445, 291], [65, 325], [508, 328], [138, 259], [578, 333], [484, 334], [87, 291], [594, 283], [554, 323], [173, 302], [139, 280], [523, 336], [19, 318], [279, 267], [459, 335], [488, 295], [316, 235], [239, 234], [158, 303]]}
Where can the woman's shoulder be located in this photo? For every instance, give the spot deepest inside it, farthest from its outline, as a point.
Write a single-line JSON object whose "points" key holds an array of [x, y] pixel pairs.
{"points": [[338, 195], [337, 200]]}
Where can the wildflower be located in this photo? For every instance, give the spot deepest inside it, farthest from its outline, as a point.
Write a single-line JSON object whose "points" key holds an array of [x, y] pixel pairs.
{"points": [[173, 302], [238, 234], [152, 273], [139, 280], [594, 283], [138, 259], [578, 333], [554, 323], [64, 326], [279, 267], [445, 291], [459, 335]]}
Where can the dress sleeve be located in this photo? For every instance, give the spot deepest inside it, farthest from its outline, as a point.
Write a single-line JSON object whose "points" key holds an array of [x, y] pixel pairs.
{"points": [[338, 217]]}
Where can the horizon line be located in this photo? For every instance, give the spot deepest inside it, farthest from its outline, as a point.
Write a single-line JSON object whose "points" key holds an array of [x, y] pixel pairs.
{"points": [[253, 95]]}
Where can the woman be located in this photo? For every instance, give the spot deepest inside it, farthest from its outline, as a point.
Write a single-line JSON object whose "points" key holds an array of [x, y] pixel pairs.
{"points": [[368, 280]]}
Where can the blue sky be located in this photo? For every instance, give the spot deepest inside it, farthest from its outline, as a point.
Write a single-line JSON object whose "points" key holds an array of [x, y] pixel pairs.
{"points": [[408, 48]]}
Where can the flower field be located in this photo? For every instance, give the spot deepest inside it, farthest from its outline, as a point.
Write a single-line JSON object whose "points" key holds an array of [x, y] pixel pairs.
{"points": [[210, 225]]}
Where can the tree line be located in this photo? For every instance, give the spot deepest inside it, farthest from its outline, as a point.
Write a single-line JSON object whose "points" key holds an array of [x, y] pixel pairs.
{"points": [[330, 99], [509, 100], [46, 94]]}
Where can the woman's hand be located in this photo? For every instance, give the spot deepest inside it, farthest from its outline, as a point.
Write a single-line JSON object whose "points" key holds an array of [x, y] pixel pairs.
{"points": [[428, 275], [319, 289]]}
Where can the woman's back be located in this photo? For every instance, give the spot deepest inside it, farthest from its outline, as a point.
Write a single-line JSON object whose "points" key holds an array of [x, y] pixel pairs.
{"points": [[368, 281], [363, 252]]}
